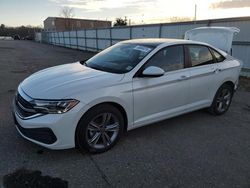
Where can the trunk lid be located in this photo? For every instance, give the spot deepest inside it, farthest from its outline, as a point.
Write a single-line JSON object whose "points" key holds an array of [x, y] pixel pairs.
{"points": [[219, 37]]}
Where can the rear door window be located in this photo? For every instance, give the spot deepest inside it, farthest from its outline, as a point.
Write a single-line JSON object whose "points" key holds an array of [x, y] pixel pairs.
{"points": [[199, 55], [219, 58]]}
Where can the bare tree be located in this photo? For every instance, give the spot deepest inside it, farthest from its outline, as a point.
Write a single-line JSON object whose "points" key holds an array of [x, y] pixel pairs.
{"points": [[67, 13]]}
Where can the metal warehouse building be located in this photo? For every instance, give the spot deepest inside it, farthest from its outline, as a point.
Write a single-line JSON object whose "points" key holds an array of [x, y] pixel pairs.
{"points": [[100, 38]]}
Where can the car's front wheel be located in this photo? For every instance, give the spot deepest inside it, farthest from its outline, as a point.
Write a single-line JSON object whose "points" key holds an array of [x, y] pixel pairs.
{"points": [[99, 129], [222, 100]]}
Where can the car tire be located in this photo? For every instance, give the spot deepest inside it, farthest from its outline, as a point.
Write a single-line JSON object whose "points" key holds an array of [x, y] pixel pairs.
{"points": [[222, 100], [99, 129]]}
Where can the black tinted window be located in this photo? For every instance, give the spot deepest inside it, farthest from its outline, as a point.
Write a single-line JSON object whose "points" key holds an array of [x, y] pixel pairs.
{"points": [[199, 55], [218, 56], [169, 59]]}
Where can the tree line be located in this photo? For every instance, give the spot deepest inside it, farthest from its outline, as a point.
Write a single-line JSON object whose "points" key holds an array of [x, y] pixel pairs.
{"points": [[22, 31]]}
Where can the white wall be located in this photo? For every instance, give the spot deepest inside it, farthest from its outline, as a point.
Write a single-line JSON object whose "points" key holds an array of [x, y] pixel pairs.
{"points": [[99, 39]]}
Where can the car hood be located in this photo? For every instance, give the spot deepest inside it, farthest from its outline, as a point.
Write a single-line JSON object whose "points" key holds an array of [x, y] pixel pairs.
{"points": [[64, 80]]}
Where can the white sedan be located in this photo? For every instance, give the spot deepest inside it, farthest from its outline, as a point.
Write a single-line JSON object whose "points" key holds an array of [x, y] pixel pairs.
{"points": [[131, 84]]}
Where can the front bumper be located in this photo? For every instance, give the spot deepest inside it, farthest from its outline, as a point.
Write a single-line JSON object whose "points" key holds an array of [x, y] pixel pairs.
{"points": [[43, 135], [53, 131]]}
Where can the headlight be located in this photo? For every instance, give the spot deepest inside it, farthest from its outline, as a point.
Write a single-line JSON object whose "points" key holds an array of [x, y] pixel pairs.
{"points": [[54, 106]]}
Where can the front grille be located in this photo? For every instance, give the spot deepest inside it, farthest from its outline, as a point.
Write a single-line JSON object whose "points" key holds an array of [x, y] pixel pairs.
{"points": [[24, 103], [23, 107]]}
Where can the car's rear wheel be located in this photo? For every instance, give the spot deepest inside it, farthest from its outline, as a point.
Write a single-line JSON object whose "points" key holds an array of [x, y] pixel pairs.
{"points": [[99, 129], [222, 100]]}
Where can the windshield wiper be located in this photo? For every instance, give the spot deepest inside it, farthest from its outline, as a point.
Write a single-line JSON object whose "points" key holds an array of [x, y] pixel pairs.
{"points": [[97, 68], [84, 63], [100, 68]]}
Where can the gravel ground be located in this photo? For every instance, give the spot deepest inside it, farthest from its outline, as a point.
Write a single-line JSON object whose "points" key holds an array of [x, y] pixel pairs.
{"points": [[192, 150]]}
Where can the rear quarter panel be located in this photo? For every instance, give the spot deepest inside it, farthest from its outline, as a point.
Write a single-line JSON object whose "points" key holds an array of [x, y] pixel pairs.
{"points": [[229, 71]]}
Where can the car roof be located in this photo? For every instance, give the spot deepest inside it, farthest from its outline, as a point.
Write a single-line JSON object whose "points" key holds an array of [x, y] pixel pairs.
{"points": [[158, 41], [154, 42]]}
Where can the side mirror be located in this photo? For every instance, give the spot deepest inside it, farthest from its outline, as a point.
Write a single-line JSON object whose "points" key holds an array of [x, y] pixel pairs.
{"points": [[153, 71]]}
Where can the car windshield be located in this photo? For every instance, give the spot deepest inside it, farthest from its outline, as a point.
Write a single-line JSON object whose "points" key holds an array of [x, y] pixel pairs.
{"points": [[120, 58]]}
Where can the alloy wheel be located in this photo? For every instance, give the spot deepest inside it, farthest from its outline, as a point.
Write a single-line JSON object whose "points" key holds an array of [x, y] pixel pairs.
{"points": [[102, 130], [224, 99]]}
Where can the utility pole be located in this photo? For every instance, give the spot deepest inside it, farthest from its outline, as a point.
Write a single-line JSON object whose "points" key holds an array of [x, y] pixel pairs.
{"points": [[195, 12], [142, 18]]}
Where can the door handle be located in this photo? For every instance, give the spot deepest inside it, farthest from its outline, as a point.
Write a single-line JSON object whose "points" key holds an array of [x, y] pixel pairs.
{"points": [[217, 70], [183, 77]]}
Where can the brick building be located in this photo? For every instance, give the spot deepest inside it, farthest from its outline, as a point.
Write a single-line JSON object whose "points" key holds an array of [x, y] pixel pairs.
{"points": [[68, 24]]}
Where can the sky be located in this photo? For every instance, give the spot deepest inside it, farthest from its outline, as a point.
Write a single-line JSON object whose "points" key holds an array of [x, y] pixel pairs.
{"points": [[33, 12]]}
